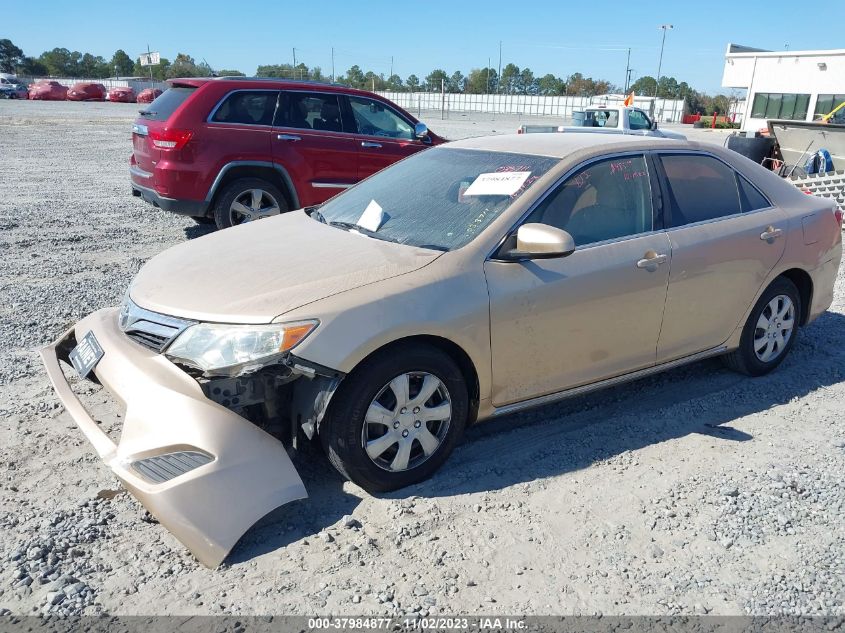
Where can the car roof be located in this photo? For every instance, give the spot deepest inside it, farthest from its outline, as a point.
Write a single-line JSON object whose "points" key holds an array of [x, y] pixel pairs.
{"points": [[261, 82], [563, 144]]}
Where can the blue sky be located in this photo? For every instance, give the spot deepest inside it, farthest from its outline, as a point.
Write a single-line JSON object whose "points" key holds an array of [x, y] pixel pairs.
{"points": [[556, 37]]}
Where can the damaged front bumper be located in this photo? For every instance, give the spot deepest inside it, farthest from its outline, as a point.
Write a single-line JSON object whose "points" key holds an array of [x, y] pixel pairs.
{"points": [[206, 473]]}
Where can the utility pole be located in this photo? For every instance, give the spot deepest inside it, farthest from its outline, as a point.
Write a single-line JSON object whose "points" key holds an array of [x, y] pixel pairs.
{"points": [[627, 71], [488, 76], [151, 66], [665, 28], [391, 65], [499, 76], [332, 64], [294, 64]]}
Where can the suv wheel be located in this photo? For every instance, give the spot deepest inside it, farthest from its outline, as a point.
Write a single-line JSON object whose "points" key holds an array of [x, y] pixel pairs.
{"points": [[396, 418], [248, 199], [770, 330]]}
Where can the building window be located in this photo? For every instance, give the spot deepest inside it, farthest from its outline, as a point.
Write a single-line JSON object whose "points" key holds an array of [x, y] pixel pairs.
{"points": [[826, 103], [775, 105]]}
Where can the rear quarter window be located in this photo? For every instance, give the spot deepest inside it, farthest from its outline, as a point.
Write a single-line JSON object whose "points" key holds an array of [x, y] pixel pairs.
{"points": [[167, 102]]}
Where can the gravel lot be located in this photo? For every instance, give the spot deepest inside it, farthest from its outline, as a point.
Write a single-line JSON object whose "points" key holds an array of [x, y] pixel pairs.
{"points": [[698, 491]]}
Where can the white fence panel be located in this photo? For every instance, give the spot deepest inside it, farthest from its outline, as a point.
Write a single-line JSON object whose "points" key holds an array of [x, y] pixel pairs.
{"points": [[663, 110]]}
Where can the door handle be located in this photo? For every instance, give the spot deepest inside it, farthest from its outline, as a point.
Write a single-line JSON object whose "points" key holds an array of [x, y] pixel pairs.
{"points": [[288, 137], [370, 144], [771, 233], [652, 259]]}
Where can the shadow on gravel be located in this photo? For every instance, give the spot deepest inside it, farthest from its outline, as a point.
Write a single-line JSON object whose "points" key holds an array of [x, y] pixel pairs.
{"points": [[325, 505], [701, 398], [198, 230]]}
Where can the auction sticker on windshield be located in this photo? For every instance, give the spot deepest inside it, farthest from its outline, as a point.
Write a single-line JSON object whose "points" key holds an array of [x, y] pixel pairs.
{"points": [[372, 218], [86, 355], [497, 184]]}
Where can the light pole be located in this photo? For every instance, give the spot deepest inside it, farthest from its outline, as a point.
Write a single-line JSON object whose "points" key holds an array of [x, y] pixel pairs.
{"points": [[665, 28]]}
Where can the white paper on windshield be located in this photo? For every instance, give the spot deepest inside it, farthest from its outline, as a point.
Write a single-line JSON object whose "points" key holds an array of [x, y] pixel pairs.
{"points": [[504, 183], [372, 217]]}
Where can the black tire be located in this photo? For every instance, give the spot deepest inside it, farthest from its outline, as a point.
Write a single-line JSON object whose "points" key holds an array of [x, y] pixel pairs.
{"points": [[222, 214], [205, 219], [744, 359], [341, 432]]}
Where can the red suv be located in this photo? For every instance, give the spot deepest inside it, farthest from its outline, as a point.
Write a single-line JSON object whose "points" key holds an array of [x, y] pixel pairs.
{"points": [[231, 150]]}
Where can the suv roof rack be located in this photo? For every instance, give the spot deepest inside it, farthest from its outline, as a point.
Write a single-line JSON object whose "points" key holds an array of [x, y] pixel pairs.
{"points": [[283, 79]]}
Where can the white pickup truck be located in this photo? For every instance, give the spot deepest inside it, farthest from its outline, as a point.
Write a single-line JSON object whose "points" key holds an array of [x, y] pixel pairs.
{"points": [[608, 120]]}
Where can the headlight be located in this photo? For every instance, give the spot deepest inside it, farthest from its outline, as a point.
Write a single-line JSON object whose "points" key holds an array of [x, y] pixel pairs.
{"points": [[230, 350]]}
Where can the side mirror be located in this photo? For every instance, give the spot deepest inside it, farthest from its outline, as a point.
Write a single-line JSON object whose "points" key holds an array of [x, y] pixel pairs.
{"points": [[654, 125], [421, 130], [540, 241]]}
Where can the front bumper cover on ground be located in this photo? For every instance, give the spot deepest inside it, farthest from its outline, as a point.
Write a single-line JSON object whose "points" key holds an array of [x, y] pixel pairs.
{"points": [[204, 472]]}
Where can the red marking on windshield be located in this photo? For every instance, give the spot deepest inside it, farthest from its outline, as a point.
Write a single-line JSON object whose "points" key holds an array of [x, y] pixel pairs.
{"points": [[506, 168]]}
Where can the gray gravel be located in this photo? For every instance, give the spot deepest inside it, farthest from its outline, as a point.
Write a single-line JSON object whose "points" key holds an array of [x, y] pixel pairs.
{"points": [[699, 491]]}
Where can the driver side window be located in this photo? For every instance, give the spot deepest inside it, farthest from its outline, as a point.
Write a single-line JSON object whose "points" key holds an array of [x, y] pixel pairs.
{"points": [[638, 121], [605, 200], [375, 119]]}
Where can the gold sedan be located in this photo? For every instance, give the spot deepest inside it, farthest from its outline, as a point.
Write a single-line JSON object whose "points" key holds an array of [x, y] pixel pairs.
{"points": [[469, 281]]}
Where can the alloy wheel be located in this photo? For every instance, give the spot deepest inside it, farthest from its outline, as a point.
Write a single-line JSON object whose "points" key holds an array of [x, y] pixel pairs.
{"points": [[774, 328], [253, 204], [407, 421]]}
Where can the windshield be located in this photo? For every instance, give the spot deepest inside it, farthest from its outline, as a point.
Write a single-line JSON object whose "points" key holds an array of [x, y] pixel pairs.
{"points": [[440, 198]]}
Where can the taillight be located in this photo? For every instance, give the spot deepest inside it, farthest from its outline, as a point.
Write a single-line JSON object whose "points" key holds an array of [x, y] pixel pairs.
{"points": [[170, 139], [838, 213]]}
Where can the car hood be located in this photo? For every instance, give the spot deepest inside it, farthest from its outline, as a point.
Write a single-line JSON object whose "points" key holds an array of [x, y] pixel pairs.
{"points": [[258, 271]]}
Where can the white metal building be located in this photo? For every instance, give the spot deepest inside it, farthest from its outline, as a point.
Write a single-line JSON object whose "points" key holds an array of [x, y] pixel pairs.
{"points": [[795, 85]]}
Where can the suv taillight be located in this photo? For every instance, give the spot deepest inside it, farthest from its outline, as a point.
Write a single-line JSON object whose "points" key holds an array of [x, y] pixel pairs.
{"points": [[170, 139], [837, 211]]}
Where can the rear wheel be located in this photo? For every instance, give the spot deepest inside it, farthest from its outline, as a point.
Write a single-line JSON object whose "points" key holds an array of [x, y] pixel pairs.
{"points": [[770, 330], [246, 200], [396, 418]]}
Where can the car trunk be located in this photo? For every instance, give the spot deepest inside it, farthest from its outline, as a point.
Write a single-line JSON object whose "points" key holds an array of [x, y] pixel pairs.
{"points": [[153, 118]]}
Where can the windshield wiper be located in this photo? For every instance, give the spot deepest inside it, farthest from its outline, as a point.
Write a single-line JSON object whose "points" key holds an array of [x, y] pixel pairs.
{"points": [[351, 226], [147, 112]]}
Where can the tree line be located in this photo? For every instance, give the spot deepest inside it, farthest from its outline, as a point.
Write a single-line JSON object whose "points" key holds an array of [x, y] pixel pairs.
{"points": [[61, 62]]}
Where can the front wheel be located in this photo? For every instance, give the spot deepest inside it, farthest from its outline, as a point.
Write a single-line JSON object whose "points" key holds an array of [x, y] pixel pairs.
{"points": [[247, 200], [396, 418], [770, 330]]}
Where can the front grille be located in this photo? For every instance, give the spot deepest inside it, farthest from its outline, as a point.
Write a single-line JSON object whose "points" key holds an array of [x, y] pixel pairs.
{"points": [[165, 467], [152, 330]]}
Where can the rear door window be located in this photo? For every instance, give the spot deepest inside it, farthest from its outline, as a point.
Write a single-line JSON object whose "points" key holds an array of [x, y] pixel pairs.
{"points": [[700, 188], [309, 111], [247, 107], [167, 102]]}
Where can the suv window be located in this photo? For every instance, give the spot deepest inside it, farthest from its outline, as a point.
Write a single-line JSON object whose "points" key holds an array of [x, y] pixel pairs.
{"points": [[166, 103], [249, 107], [638, 120], [309, 111], [605, 200], [373, 118], [700, 188]]}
